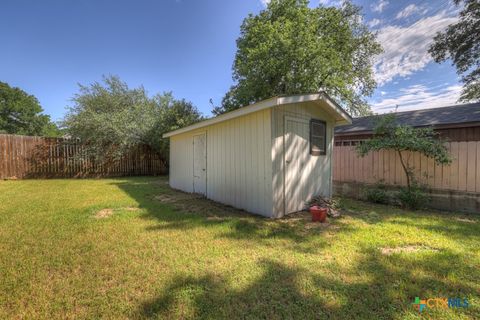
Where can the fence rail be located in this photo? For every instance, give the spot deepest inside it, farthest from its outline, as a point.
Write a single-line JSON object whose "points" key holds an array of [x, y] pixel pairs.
{"points": [[38, 157], [462, 175]]}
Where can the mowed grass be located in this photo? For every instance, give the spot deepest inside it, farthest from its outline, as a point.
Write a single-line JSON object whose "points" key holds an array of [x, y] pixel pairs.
{"points": [[151, 258]]}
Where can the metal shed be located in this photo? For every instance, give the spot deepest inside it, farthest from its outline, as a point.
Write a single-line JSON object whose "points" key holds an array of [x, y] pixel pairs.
{"points": [[268, 158]]}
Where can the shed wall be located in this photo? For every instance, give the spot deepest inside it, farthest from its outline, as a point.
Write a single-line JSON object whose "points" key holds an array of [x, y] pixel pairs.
{"points": [[239, 166], [317, 178]]}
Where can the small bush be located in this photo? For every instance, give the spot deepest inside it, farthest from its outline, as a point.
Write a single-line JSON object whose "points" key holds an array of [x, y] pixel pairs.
{"points": [[377, 194], [413, 198]]}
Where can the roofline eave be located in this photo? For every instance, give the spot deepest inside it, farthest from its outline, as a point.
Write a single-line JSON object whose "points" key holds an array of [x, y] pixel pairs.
{"points": [[345, 118]]}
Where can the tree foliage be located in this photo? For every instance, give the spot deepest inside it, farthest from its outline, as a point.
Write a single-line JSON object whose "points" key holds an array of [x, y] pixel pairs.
{"points": [[403, 138], [461, 43], [110, 119], [21, 113], [290, 48]]}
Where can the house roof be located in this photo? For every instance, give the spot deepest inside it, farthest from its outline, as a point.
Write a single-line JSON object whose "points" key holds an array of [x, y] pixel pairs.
{"points": [[436, 117], [340, 115]]}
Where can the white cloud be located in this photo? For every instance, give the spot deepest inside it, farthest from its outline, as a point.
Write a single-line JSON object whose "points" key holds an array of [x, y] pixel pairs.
{"points": [[379, 6], [419, 97], [265, 2], [374, 22], [406, 48], [408, 11]]}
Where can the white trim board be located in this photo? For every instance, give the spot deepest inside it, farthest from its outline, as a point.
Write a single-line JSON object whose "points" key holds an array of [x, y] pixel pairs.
{"points": [[342, 117]]}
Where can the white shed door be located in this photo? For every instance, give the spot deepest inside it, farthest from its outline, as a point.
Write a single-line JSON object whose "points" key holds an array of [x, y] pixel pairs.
{"points": [[296, 159], [200, 164]]}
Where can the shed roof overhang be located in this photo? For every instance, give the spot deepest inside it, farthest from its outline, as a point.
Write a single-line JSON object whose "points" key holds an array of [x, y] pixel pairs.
{"points": [[322, 99]]}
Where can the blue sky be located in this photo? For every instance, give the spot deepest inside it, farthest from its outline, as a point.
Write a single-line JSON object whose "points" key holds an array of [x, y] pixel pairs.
{"points": [[188, 46]]}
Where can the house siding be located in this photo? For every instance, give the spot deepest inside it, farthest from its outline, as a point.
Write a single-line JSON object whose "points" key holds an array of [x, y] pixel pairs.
{"points": [[239, 166], [459, 132], [318, 178]]}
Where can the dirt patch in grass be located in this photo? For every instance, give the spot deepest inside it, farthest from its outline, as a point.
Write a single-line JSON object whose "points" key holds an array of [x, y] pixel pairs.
{"points": [[195, 203], [405, 249], [108, 212], [177, 198], [131, 209], [161, 183], [104, 213], [466, 220], [214, 211], [304, 218]]}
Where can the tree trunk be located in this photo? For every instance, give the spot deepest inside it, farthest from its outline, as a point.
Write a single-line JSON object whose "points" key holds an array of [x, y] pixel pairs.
{"points": [[407, 173]]}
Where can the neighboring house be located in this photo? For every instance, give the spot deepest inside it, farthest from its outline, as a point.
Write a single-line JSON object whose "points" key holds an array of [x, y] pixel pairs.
{"points": [[454, 123], [451, 187], [268, 158]]}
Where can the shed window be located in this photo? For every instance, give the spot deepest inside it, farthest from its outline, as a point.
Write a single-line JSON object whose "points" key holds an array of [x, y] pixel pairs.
{"points": [[318, 137]]}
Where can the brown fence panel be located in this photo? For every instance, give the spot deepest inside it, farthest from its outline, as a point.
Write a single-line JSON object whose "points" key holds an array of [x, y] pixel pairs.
{"points": [[462, 175], [38, 157]]}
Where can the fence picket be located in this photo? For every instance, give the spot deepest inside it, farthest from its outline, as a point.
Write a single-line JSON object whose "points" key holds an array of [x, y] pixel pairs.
{"points": [[462, 175], [471, 165], [38, 157]]}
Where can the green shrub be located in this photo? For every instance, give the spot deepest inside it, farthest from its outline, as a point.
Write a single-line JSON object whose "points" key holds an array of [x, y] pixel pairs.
{"points": [[377, 194], [413, 198]]}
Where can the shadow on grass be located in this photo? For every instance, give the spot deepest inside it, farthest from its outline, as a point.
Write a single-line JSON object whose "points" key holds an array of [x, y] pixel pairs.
{"points": [[386, 291], [453, 225], [176, 210], [454, 229], [371, 286]]}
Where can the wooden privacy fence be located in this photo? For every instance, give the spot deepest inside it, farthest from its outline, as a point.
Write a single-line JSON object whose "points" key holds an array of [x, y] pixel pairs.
{"points": [[462, 175], [38, 157]]}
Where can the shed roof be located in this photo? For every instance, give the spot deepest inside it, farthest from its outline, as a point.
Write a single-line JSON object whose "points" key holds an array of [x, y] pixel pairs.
{"points": [[436, 117], [340, 115]]}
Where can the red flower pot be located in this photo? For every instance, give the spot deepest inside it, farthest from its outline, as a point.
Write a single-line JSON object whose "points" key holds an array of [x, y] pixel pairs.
{"points": [[318, 213]]}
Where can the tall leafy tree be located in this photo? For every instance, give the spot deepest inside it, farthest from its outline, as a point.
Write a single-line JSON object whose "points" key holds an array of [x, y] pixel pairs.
{"points": [[21, 113], [110, 119], [290, 48], [461, 43]]}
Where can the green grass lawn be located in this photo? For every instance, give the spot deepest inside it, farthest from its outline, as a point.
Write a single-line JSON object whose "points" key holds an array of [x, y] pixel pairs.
{"points": [[155, 252]]}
